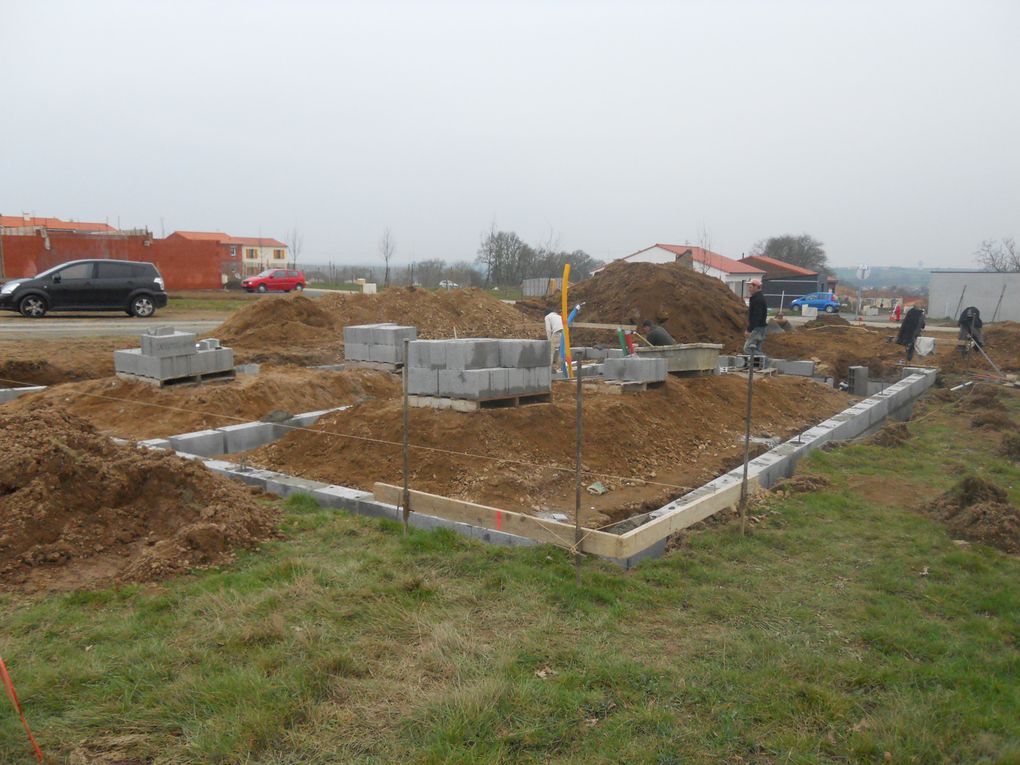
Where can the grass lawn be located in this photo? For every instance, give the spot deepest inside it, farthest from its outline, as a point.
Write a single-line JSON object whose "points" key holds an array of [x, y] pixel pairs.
{"points": [[846, 627]]}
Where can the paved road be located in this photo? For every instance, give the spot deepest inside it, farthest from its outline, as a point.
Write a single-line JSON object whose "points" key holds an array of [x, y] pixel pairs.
{"points": [[15, 327]]}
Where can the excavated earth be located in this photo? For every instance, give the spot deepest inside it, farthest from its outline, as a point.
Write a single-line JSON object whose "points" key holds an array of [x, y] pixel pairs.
{"points": [[643, 448], [977, 510], [692, 307], [136, 410], [77, 510]]}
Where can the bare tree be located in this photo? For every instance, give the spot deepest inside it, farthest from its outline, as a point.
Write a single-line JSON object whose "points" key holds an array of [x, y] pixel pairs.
{"points": [[387, 246], [999, 256], [295, 240], [705, 243]]}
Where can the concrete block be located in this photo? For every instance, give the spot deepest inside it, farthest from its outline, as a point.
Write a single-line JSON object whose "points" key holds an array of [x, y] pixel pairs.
{"points": [[155, 443], [422, 382], [614, 368], [127, 361], [357, 352], [525, 354], [284, 485], [615, 353], [160, 331], [427, 354], [164, 368], [516, 381], [858, 381], [163, 345], [538, 380], [386, 354], [463, 383], [499, 383], [361, 334], [393, 335], [204, 443], [247, 369], [248, 435], [9, 394], [801, 368], [472, 353]]}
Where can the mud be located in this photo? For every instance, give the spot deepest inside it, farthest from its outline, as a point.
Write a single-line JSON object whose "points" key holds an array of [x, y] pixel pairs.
{"points": [[136, 410], [77, 510], [645, 448], [979, 511]]}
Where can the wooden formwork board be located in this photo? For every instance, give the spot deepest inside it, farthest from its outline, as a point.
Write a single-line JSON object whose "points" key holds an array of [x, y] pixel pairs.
{"points": [[553, 532]]}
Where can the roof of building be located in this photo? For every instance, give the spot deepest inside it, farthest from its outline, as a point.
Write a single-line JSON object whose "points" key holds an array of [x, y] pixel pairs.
{"points": [[27, 221], [255, 241], [769, 264], [710, 259], [203, 236]]}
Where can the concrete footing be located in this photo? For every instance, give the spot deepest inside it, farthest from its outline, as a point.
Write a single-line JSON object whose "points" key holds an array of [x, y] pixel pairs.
{"points": [[9, 394]]}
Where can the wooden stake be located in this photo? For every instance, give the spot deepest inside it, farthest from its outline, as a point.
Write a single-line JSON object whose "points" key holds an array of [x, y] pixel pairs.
{"points": [[407, 449], [577, 483]]}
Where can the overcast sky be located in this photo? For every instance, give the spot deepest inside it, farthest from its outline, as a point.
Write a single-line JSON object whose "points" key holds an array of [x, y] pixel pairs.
{"points": [[890, 131]]}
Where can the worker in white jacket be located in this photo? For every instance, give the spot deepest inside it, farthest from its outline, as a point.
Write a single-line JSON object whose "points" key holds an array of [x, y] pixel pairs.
{"points": [[554, 332]]}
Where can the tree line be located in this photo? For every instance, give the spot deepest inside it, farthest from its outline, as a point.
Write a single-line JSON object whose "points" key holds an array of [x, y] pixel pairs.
{"points": [[507, 260]]}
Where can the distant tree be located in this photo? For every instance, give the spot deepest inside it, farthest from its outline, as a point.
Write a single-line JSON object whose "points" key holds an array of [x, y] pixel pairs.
{"points": [[804, 251], [295, 240], [504, 256], [428, 273], [999, 256], [387, 246]]}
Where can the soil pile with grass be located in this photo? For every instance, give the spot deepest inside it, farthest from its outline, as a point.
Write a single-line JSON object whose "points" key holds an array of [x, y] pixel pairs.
{"points": [[692, 307], [135, 410], [1002, 344], [77, 510], [979, 511], [702, 419], [892, 435], [437, 315], [1010, 447]]}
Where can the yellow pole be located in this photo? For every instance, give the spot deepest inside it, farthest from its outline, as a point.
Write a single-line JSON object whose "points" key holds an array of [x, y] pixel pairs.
{"points": [[566, 326]]}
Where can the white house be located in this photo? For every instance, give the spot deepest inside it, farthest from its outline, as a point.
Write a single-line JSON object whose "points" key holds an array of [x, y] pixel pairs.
{"points": [[732, 273]]}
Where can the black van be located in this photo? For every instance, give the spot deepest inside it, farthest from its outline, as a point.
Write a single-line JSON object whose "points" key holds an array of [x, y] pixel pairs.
{"points": [[88, 285]]}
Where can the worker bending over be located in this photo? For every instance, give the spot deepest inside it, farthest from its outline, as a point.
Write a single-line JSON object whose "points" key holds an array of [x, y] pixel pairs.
{"points": [[655, 334]]}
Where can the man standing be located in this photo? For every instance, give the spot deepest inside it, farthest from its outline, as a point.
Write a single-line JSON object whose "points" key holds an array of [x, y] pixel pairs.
{"points": [[910, 329], [554, 331], [757, 319], [655, 334]]}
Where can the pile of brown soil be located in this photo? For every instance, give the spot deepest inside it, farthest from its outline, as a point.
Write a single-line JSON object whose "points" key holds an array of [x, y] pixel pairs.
{"points": [[293, 320], [979, 511], [826, 320], [892, 435], [1010, 446], [446, 313], [680, 435], [77, 510], [136, 410], [1002, 344], [47, 362], [801, 484], [692, 307], [837, 347]]}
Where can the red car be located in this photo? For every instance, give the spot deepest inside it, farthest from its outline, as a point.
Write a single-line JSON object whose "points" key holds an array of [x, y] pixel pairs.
{"points": [[279, 279]]}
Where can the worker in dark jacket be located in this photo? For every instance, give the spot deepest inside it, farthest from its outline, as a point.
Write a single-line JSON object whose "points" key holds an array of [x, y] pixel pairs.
{"points": [[757, 318], [655, 334], [970, 329], [910, 329]]}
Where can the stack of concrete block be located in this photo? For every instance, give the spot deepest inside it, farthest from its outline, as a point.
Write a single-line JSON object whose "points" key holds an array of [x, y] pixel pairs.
{"points": [[167, 355], [635, 369], [383, 343], [478, 368]]}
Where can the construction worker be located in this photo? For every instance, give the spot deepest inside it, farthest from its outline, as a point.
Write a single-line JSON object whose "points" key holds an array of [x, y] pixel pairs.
{"points": [[910, 329], [970, 329], [554, 333], [757, 319], [655, 334]]}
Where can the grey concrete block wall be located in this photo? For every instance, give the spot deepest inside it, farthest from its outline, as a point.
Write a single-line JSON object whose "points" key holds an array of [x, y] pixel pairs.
{"points": [[478, 368], [204, 443], [472, 353], [427, 354], [170, 344], [614, 368], [248, 435], [126, 361], [168, 355], [639, 369], [422, 381], [382, 343], [9, 394], [523, 354]]}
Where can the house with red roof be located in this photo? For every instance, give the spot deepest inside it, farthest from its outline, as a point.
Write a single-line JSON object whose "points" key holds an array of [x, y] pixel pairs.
{"points": [[732, 273], [784, 281], [257, 253], [30, 224]]}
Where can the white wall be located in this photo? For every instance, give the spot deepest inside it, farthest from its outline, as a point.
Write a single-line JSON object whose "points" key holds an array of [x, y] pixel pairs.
{"points": [[653, 255], [978, 288]]}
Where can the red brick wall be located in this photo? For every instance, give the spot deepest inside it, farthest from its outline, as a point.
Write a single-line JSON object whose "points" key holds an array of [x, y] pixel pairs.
{"points": [[184, 264]]}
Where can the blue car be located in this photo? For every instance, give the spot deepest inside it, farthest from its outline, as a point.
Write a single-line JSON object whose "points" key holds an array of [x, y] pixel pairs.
{"points": [[823, 301]]}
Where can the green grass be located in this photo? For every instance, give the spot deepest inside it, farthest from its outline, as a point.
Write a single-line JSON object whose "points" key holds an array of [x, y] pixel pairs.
{"points": [[224, 303], [838, 630]]}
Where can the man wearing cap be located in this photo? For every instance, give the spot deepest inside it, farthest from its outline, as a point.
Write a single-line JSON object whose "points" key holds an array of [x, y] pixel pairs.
{"points": [[757, 318]]}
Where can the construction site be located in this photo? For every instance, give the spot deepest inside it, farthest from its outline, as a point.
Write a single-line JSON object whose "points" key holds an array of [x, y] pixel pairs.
{"points": [[128, 463]]}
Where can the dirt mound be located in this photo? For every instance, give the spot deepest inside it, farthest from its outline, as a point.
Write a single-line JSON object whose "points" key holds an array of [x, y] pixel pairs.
{"points": [[989, 420], [801, 484], [979, 511], [38, 361], [78, 510], [136, 410], [273, 320], [826, 320], [446, 313], [536, 443], [892, 435], [1010, 446], [1002, 344], [837, 347], [981, 397], [692, 307]]}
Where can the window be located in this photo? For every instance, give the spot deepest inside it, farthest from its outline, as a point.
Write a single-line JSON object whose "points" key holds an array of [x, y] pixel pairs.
{"points": [[279, 274], [251, 253], [278, 255], [117, 271], [79, 271], [292, 274], [233, 250]]}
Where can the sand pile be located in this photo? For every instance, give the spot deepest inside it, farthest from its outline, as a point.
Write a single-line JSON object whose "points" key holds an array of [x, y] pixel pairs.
{"points": [[464, 312], [136, 410], [979, 511], [692, 307], [702, 417], [77, 510]]}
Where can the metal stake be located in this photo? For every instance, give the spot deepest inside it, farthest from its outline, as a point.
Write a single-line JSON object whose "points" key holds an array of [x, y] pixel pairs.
{"points": [[747, 443], [407, 448], [577, 483]]}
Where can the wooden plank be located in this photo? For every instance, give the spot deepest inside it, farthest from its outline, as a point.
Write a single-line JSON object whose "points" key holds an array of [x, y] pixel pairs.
{"points": [[596, 325], [642, 537], [541, 530]]}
